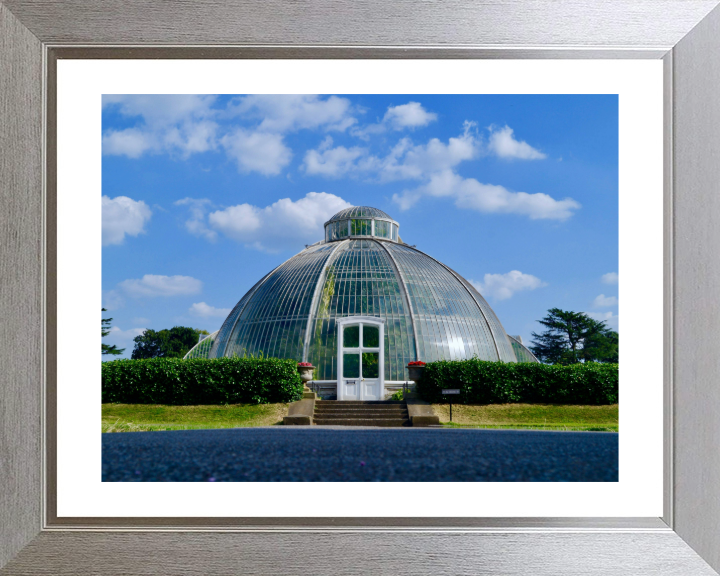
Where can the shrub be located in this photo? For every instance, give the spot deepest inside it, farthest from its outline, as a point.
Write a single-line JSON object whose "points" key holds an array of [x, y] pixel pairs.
{"points": [[502, 383], [201, 381]]}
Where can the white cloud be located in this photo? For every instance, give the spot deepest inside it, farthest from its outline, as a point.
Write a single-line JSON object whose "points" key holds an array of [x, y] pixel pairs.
{"points": [[174, 123], [611, 320], [152, 285], [118, 335], [237, 222], [191, 138], [257, 151], [196, 225], [122, 215], [186, 124], [603, 301], [130, 142], [503, 144], [161, 109], [407, 199], [410, 115], [206, 311], [610, 278], [332, 162], [405, 161], [405, 116], [488, 198], [434, 163], [291, 112], [283, 224], [503, 286]]}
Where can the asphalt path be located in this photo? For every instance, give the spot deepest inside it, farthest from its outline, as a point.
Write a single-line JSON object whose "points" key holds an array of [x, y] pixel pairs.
{"points": [[337, 454]]}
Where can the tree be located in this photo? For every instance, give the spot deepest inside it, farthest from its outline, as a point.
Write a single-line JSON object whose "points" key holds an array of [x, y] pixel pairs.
{"points": [[602, 346], [573, 337], [105, 329], [173, 343]]}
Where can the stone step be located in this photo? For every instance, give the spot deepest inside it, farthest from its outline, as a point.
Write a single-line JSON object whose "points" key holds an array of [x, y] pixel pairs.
{"points": [[359, 402], [388, 409], [383, 413], [361, 414], [357, 410], [384, 422]]}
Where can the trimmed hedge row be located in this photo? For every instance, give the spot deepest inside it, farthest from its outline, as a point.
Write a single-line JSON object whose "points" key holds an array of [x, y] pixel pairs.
{"points": [[503, 383], [201, 381]]}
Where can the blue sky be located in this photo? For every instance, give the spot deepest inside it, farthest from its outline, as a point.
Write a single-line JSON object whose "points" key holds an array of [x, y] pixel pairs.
{"points": [[203, 195]]}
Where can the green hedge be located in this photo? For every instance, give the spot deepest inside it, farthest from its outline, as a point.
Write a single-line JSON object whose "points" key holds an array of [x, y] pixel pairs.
{"points": [[500, 383], [201, 381]]}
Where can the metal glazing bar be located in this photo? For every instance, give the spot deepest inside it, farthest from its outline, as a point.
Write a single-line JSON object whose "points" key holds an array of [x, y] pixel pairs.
{"points": [[316, 297], [401, 281]]}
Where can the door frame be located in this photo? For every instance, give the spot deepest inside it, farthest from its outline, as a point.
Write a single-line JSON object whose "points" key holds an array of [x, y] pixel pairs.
{"points": [[340, 324]]}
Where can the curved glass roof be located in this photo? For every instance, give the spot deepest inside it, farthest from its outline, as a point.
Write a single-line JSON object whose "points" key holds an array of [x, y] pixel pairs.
{"points": [[430, 311], [202, 348], [522, 353], [358, 212]]}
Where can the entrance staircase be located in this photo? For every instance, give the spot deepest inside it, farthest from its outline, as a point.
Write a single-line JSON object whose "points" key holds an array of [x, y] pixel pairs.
{"points": [[388, 413]]}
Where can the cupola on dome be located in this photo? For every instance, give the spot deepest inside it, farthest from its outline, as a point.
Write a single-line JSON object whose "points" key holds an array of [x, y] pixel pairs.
{"points": [[361, 221]]}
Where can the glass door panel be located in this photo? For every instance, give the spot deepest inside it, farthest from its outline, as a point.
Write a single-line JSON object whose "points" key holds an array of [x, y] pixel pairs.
{"points": [[351, 337], [351, 365], [370, 365], [371, 336]]}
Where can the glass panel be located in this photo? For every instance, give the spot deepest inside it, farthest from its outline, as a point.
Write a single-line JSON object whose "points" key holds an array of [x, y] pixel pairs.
{"points": [[351, 337], [382, 229], [351, 365], [371, 336], [361, 227], [371, 364]]}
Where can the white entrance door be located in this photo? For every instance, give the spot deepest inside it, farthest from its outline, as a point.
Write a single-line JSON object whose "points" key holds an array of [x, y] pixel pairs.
{"points": [[361, 358]]}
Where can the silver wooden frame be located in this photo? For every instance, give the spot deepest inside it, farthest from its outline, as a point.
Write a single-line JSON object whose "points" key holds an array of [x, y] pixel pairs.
{"points": [[684, 33]]}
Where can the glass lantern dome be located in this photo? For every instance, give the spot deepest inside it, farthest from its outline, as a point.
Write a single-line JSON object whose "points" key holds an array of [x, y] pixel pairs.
{"points": [[362, 268]]}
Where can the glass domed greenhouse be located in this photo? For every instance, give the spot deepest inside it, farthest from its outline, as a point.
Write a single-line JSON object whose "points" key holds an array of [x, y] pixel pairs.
{"points": [[363, 271]]}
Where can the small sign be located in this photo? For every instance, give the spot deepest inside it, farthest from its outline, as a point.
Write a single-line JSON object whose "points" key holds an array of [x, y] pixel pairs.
{"points": [[451, 391]]}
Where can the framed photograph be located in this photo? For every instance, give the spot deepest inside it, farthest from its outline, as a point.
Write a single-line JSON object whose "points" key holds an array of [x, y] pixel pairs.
{"points": [[483, 212], [660, 61]]}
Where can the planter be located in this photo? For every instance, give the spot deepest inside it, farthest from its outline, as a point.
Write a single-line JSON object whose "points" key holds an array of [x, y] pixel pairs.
{"points": [[306, 373], [415, 373]]}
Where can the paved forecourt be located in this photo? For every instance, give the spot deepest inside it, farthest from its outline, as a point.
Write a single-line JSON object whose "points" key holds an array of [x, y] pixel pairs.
{"points": [[334, 453]]}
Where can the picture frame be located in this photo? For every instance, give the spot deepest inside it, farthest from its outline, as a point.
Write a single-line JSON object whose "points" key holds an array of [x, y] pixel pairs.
{"points": [[685, 34]]}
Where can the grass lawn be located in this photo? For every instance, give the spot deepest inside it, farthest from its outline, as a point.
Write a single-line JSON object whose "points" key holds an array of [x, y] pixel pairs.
{"points": [[150, 417], [532, 416]]}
